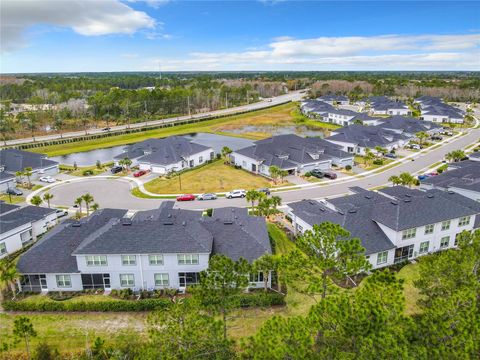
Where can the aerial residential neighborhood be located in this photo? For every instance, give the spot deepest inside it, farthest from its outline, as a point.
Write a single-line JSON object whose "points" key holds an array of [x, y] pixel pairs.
{"points": [[239, 180]]}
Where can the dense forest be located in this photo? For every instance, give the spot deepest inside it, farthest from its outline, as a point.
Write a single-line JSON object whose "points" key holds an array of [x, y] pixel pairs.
{"points": [[42, 103]]}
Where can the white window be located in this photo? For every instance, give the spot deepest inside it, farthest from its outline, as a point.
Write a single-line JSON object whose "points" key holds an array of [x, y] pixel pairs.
{"points": [[444, 241], [161, 279], [244, 164], [64, 281], [382, 257], [464, 221], [257, 277], [127, 280], [445, 225], [96, 260], [129, 260], [187, 259], [3, 248], [429, 229], [409, 233], [200, 159], [26, 236], [423, 247], [155, 259]]}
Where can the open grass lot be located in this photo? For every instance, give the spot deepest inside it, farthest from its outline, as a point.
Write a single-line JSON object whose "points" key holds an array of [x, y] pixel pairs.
{"points": [[214, 177], [281, 115], [409, 273]]}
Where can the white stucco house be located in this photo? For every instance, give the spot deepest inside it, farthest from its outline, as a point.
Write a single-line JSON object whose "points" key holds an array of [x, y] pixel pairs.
{"points": [[22, 225], [162, 156], [154, 249], [388, 222]]}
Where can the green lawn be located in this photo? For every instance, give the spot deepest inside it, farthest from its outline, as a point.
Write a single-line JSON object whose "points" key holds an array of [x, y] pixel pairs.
{"points": [[15, 199], [214, 177], [282, 244], [409, 273]]}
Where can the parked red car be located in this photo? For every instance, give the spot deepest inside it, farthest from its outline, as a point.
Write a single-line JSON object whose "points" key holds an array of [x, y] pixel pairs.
{"points": [[140, 173], [330, 175], [186, 197]]}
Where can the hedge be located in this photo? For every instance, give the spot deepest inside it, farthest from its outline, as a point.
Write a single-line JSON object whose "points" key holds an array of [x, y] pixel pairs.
{"points": [[254, 299], [67, 306]]}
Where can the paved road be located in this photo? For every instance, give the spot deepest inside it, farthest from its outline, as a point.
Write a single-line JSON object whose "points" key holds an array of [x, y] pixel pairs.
{"points": [[116, 193], [292, 96]]}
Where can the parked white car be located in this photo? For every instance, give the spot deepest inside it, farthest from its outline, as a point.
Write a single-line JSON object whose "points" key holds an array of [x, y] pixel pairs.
{"points": [[47, 179], [236, 194]]}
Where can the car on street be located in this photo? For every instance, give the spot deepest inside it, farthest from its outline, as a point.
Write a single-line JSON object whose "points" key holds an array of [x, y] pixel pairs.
{"points": [[107, 129], [140, 173], [61, 213], [266, 191], [422, 177], [47, 179], [236, 194], [436, 138], [208, 196], [317, 173], [14, 191], [186, 197], [331, 175], [116, 169], [390, 155]]}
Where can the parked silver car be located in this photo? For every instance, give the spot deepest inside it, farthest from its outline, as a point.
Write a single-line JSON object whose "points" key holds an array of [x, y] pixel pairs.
{"points": [[208, 196], [236, 194]]}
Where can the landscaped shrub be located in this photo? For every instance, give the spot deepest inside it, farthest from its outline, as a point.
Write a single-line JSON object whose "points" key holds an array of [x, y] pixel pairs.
{"points": [[348, 167], [77, 306], [87, 172], [261, 299], [378, 162], [307, 174]]}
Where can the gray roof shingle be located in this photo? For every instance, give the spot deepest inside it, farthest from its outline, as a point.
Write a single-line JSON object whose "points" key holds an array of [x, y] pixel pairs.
{"points": [[14, 160], [13, 218]]}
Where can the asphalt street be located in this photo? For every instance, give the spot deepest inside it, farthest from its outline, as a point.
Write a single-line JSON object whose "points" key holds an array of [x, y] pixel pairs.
{"points": [[116, 193]]}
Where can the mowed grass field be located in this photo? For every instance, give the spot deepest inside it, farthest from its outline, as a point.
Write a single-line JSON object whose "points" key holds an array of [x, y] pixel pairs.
{"points": [[281, 115], [213, 177]]}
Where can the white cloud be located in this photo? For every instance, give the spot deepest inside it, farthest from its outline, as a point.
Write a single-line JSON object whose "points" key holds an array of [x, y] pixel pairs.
{"points": [[89, 18], [385, 52]]}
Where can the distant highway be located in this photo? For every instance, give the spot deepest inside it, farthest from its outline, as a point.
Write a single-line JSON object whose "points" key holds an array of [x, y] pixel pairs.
{"points": [[292, 96]]}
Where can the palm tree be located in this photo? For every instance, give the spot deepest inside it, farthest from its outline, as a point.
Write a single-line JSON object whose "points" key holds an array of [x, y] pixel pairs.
{"points": [[395, 180], [254, 195], [226, 151], [19, 175], [282, 173], [125, 163], [8, 277], [88, 199], [380, 150], [407, 179], [95, 206], [28, 172], [368, 156], [36, 200], [455, 155], [47, 197], [421, 136], [78, 201], [274, 172]]}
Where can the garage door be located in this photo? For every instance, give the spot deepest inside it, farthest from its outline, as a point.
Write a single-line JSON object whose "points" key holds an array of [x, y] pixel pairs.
{"points": [[158, 169], [320, 166]]}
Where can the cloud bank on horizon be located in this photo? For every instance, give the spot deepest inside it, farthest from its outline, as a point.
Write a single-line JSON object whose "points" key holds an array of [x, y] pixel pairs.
{"points": [[38, 28]]}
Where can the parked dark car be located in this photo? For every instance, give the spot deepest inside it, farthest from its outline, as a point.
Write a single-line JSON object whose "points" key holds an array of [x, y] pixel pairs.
{"points": [[14, 191], [106, 129], [391, 155], [266, 191], [436, 137], [186, 197], [330, 175], [115, 169], [317, 173]]}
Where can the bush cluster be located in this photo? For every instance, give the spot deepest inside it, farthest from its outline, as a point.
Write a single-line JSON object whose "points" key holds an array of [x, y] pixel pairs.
{"points": [[378, 162], [77, 306], [260, 299]]}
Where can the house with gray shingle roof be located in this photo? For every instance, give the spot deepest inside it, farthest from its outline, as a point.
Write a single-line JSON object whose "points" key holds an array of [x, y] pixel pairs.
{"points": [[13, 160], [382, 105], [394, 224], [462, 178], [22, 225], [435, 110], [161, 248], [292, 153], [162, 156]]}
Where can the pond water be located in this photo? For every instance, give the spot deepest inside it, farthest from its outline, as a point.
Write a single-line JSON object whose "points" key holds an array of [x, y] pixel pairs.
{"points": [[280, 130], [89, 158]]}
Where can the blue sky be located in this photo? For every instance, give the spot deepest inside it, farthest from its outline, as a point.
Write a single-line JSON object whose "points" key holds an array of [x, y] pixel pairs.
{"points": [[131, 35]]}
